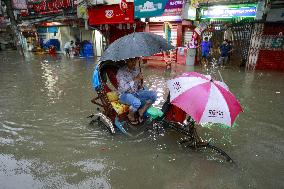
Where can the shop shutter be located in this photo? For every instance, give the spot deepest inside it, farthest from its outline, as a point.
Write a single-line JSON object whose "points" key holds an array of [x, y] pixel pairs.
{"points": [[174, 34], [271, 54], [157, 28]]}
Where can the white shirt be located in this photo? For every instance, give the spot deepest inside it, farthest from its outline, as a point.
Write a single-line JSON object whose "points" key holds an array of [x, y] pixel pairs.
{"points": [[68, 45]]}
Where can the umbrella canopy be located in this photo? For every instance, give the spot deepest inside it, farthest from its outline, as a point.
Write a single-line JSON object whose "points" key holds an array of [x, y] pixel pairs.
{"points": [[204, 99], [137, 44]]}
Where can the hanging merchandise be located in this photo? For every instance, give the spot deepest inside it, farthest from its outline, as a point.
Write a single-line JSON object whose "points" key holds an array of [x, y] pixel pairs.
{"points": [[167, 31], [201, 27], [195, 3]]}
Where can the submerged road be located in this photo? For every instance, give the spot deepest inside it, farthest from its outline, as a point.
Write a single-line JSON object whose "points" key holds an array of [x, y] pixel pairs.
{"points": [[46, 140]]}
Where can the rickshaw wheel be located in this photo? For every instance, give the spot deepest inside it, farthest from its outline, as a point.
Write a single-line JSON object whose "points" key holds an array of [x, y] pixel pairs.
{"points": [[105, 120], [193, 141]]}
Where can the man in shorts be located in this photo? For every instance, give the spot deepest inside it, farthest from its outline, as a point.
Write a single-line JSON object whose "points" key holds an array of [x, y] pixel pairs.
{"points": [[206, 46], [67, 47]]}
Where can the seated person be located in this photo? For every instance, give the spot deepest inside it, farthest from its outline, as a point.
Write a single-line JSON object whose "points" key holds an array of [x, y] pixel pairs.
{"points": [[131, 92]]}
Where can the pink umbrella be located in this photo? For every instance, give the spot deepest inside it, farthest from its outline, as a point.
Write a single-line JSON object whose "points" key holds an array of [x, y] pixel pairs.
{"points": [[204, 99]]}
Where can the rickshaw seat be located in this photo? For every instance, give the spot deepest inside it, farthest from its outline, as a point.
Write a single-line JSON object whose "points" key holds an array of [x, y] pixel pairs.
{"points": [[112, 95], [117, 106], [111, 73]]}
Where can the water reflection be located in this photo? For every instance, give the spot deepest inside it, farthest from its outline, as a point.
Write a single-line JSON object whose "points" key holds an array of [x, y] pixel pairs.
{"points": [[52, 146], [51, 79]]}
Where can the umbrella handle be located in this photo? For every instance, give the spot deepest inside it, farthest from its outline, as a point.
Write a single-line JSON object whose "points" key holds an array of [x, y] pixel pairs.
{"points": [[221, 76], [141, 73]]}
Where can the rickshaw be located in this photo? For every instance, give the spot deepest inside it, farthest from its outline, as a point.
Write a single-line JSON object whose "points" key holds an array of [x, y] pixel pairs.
{"points": [[113, 115]]}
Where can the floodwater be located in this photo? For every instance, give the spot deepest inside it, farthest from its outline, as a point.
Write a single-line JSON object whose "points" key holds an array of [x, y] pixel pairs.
{"points": [[46, 140]]}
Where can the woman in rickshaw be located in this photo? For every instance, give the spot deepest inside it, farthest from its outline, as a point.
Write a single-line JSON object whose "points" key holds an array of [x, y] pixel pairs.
{"points": [[131, 91]]}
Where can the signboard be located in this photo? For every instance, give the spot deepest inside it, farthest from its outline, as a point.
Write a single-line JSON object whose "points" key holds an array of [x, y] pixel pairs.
{"points": [[173, 8], [166, 19], [48, 6], [19, 4], [148, 8], [110, 14], [228, 12], [275, 15]]}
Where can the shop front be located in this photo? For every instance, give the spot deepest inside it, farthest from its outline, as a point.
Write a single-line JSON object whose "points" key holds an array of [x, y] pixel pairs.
{"points": [[162, 18], [113, 21], [230, 22], [30, 40], [165, 22]]}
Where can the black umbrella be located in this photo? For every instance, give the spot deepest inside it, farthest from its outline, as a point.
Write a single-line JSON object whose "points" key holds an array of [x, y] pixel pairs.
{"points": [[137, 44]]}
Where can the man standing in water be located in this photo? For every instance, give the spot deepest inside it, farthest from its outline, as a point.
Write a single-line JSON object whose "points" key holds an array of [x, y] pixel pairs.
{"points": [[206, 46], [67, 47], [225, 49], [131, 91]]}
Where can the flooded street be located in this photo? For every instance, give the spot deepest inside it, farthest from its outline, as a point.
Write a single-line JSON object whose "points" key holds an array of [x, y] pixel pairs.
{"points": [[46, 140]]}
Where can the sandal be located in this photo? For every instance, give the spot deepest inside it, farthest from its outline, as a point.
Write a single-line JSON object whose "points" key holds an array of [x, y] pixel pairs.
{"points": [[141, 119], [133, 122]]}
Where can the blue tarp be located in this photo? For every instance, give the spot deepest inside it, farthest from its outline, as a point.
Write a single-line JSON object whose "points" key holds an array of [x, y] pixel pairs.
{"points": [[96, 81], [52, 29], [87, 49], [54, 42]]}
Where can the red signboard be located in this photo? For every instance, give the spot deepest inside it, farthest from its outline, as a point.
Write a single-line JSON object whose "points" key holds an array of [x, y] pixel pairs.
{"points": [[48, 6], [111, 14]]}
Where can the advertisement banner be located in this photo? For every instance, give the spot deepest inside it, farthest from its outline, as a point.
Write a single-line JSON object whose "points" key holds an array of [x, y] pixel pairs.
{"points": [[48, 6], [110, 14], [173, 8], [149, 8], [19, 4], [228, 12]]}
